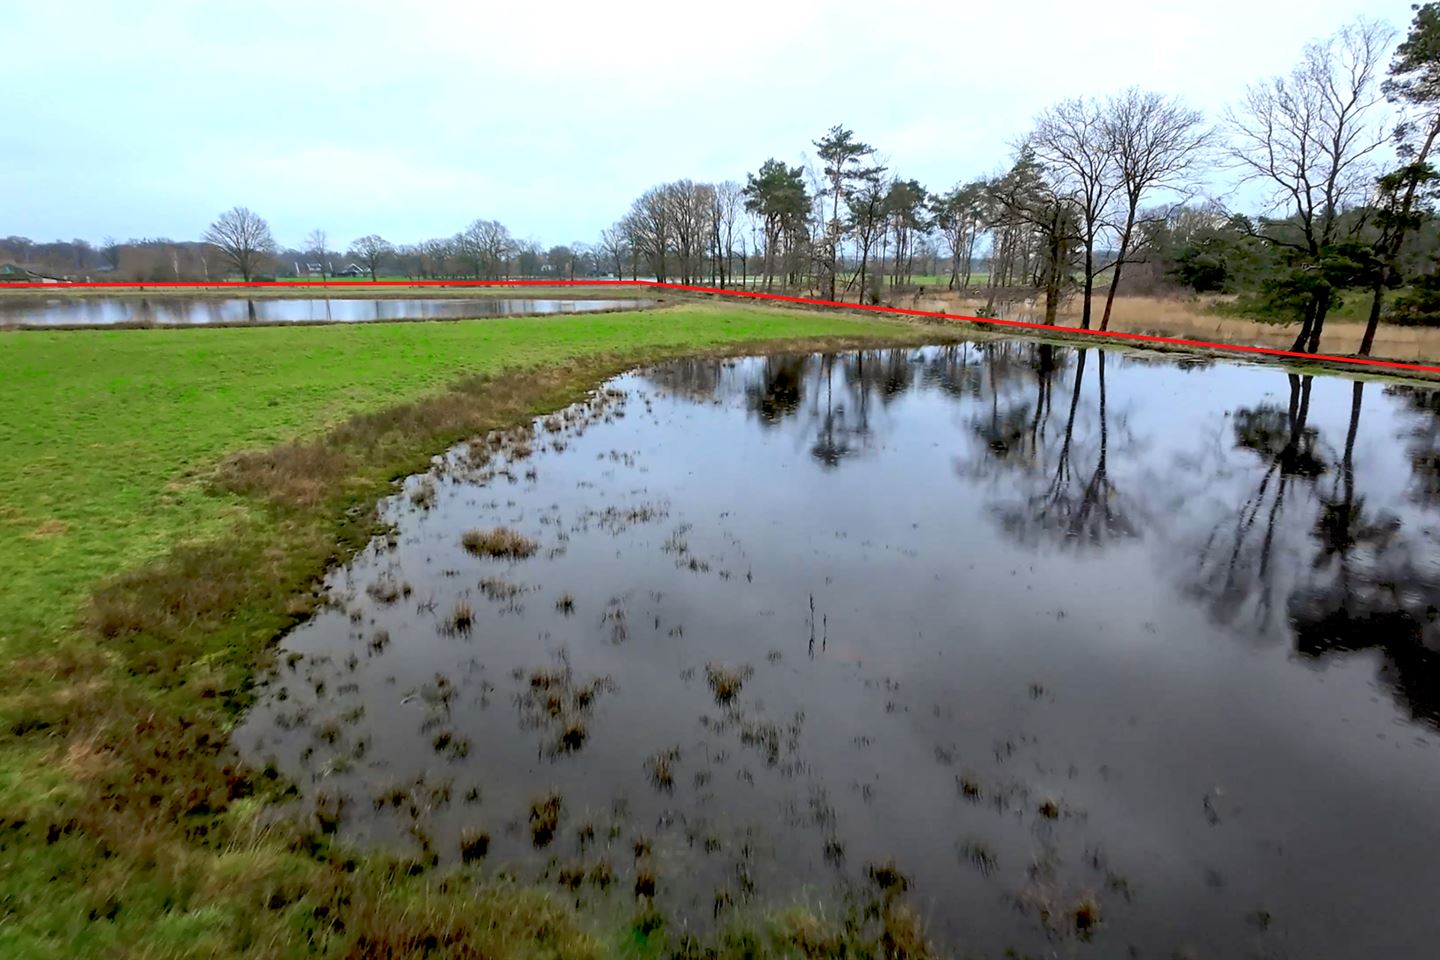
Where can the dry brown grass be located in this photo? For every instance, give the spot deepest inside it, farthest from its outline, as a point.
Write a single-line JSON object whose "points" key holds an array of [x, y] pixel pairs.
{"points": [[48, 529], [496, 923], [294, 473]]}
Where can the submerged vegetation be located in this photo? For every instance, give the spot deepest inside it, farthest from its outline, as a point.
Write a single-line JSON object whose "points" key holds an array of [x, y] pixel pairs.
{"points": [[149, 565]]}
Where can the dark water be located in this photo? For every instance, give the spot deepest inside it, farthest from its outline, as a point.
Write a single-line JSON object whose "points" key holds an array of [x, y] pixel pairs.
{"points": [[1153, 635], [105, 311]]}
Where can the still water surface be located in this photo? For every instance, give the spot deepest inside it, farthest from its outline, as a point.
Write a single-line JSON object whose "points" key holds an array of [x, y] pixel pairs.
{"points": [[106, 311], [1044, 627]]}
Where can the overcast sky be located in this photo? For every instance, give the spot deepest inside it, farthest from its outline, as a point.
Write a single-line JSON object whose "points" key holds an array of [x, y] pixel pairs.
{"points": [[148, 119]]}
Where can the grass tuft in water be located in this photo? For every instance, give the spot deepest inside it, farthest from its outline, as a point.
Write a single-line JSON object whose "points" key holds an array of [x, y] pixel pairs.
{"points": [[725, 682], [544, 818], [500, 542], [660, 767], [1085, 916], [462, 617], [645, 882], [887, 877], [474, 844]]}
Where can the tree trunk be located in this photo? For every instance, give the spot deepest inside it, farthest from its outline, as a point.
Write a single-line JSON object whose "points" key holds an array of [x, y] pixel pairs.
{"points": [[1322, 307], [969, 258], [1305, 324], [1119, 262], [1377, 298]]}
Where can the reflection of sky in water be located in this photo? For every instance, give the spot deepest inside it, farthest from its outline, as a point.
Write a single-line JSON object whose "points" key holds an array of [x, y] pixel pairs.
{"points": [[101, 311], [1122, 664]]}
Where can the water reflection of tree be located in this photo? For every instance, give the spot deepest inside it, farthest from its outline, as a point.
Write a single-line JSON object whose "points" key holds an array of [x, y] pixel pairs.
{"points": [[776, 393], [698, 379], [1236, 569], [838, 435], [838, 417], [1064, 489], [1011, 428], [1422, 441], [1360, 580], [951, 370], [1368, 589]]}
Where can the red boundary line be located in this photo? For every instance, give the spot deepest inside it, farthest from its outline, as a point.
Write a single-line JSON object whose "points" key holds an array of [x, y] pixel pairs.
{"points": [[655, 284]]}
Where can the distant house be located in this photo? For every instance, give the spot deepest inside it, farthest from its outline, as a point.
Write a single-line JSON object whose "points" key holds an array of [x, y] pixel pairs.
{"points": [[354, 270], [14, 273], [311, 270]]}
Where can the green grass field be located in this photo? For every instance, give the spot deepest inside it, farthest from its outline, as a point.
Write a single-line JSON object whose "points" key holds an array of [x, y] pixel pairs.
{"points": [[147, 571]]}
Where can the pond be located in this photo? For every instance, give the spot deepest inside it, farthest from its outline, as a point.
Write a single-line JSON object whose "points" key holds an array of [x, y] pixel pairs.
{"points": [[1100, 652], [180, 310]]}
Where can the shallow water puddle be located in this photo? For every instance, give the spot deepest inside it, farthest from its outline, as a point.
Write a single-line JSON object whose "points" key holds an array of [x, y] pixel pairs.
{"points": [[1097, 651]]}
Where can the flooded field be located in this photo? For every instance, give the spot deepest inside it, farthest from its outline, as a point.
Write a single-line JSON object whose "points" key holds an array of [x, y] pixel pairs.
{"points": [[1077, 653], [108, 311]]}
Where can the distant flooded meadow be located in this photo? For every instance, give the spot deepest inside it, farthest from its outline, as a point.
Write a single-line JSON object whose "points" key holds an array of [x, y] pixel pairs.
{"points": [[186, 311], [1074, 652]]}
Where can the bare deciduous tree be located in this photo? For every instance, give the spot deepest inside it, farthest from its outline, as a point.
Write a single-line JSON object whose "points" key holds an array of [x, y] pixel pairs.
{"points": [[1311, 137], [243, 237], [728, 202], [649, 228], [317, 245], [489, 246], [1070, 142], [615, 244], [371, 250], [435, 256], [1155, 141]]}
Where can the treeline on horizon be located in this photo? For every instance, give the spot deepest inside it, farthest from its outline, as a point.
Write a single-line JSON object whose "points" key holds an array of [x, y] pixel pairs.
{"points": [[1103, 195]]}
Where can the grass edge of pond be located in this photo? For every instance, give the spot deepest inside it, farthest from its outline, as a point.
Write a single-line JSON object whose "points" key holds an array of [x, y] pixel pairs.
{"points": [[127, 820]]}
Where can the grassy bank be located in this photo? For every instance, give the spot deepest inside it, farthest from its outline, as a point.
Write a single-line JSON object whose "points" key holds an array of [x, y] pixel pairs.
{"points": [[167, 500]]}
